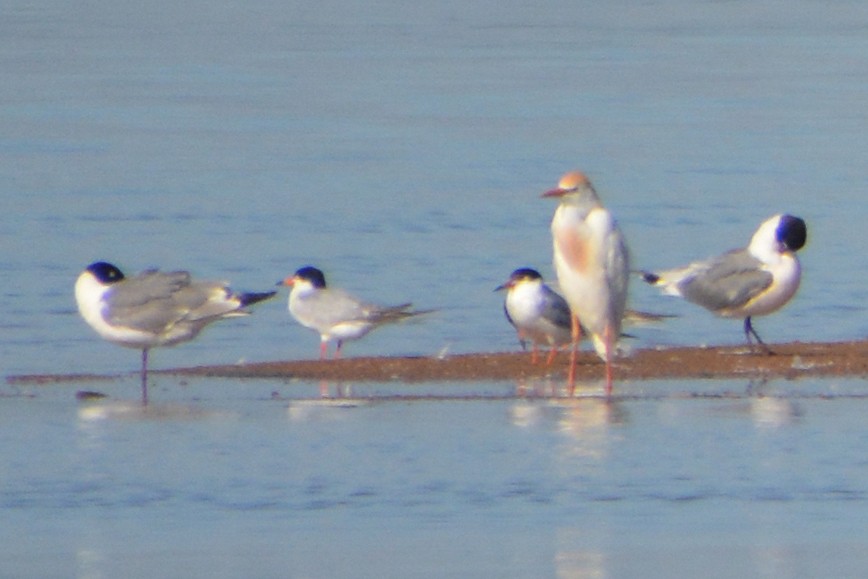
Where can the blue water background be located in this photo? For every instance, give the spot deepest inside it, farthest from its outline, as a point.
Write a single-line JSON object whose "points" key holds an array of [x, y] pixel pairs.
{"points": [[402, 148]]}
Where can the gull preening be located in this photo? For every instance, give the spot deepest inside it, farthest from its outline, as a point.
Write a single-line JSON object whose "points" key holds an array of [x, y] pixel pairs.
{"points": [[753, 281]]}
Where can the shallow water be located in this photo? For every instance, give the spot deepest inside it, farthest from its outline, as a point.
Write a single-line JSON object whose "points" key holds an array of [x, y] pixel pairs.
{"points": [[403, 149], [224, 478]]}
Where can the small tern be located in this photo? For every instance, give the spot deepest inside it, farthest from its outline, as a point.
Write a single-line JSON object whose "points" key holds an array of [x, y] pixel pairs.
{"points": [[334, 313], [743, 283], [593, 267], [538, 313], [154, 308]]}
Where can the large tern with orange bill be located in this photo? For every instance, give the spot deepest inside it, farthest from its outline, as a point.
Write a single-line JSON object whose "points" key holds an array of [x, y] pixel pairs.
{"points": [[593, 268]]}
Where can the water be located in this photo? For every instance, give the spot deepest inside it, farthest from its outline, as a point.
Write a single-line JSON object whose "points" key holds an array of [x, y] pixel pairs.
{"points": [[402, 149], [224, 479]]}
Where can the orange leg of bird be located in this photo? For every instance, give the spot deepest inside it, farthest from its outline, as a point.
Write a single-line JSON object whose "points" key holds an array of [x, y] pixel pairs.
{"points": [[534, 353], [323, 350], [552, 353], [577, 336]]}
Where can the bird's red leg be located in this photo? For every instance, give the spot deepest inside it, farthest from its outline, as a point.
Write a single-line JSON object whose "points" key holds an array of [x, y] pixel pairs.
{"points": [[552, 353]]}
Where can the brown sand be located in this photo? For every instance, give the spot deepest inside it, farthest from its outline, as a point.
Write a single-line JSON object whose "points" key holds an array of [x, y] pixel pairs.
{"points": [[791, 360]]}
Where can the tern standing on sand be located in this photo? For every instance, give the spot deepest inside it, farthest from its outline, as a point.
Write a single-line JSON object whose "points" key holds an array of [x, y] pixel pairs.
{"points": [[537, 312], [154, 308], [754, 281], [592, 265], [335, 314]]}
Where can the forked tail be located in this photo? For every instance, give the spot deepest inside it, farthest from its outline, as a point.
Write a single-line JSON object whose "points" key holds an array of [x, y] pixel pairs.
{"points": [[401, 312]]}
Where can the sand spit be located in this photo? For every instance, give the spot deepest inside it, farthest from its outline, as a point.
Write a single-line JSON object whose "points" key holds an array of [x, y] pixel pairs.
{"points": [[792, 360]]}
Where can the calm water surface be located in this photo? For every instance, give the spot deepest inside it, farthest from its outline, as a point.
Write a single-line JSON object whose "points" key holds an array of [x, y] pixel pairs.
{"points": [[402, 149], [262, 479]]}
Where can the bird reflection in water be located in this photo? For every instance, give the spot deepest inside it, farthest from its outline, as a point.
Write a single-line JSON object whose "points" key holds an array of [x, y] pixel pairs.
{"points": [[341, 390], [769, 410], [774, 412], [531, 387], [547, 387], [584, 421]]}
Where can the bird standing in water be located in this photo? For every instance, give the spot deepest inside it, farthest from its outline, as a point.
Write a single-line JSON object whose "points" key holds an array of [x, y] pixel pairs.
{"points": [[593, 267]]}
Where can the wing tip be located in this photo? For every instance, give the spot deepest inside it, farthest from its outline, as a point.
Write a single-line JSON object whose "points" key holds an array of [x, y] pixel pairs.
{"points": [[649, 277], [251, 298]]}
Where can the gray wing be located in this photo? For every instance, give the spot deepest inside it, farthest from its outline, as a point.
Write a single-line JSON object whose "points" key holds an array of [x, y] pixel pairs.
{"points": [[147, 287], [334, 306], [556, 310], [387, 314], [618, 274], [154, 301], [728, 281]]}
